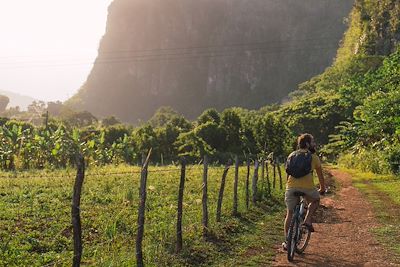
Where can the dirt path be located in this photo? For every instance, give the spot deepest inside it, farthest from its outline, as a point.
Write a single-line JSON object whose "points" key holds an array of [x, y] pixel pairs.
{"points": [[342, 232]]}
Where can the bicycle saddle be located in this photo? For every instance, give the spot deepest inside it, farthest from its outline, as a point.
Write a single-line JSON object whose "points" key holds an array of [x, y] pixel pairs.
{"points": [[298, 194]]}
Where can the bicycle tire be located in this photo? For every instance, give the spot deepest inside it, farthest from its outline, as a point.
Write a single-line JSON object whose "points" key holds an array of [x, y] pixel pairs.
{"points": [[291, 238], [305, 235]]}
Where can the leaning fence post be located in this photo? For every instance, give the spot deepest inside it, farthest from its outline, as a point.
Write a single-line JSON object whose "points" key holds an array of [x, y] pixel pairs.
{"points": [[247, 183], [255, 180], [262, 176], [268, 182], [75, 212], [205, 198], [235, 187], [141, 211], [280, 174], [221, 190], [274, 166], [180, 207]]}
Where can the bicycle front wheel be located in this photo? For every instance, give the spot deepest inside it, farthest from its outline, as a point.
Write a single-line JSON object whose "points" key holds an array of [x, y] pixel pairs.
{"points": [[292, 238], [304, 235]]}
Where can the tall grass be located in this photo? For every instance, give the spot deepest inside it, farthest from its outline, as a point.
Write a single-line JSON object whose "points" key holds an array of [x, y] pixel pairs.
{"points": [[35, 223]]}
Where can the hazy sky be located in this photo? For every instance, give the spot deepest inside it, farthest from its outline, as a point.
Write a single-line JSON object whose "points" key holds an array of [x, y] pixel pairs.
{"points": [[47, 47]]}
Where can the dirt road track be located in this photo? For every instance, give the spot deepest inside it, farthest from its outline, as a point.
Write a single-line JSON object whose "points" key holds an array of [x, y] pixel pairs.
{"points": [[342, 232]]}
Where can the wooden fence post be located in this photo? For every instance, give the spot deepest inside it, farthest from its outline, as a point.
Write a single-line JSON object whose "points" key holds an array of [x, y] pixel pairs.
{"points": [[221, 190], [262, 177], [247, 183], [75, 212], [254, 182], [274, 180], [180, 207], [280, 174], [235, 187], [205, 199], [141, 211], [268, 181]]}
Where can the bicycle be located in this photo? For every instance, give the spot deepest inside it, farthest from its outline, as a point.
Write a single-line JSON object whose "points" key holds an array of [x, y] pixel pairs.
{"points": [[298, 234]]}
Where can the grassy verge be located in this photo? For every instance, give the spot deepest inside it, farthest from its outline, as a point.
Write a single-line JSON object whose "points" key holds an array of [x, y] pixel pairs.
{"points": [[383, 192], [35, 223]]}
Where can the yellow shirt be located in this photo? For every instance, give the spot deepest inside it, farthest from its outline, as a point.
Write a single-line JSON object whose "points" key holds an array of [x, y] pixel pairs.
{"points": [[305, 182]]}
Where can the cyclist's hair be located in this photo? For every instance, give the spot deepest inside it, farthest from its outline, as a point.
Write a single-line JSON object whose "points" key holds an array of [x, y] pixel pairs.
{"points": [[303, 139]]}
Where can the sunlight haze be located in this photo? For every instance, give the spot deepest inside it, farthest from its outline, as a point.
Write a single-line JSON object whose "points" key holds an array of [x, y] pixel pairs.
{"points": [[48, 46]]}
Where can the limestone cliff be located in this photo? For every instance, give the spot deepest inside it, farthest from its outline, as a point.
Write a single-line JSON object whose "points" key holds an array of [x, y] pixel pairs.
{"points": [[195, 54]]}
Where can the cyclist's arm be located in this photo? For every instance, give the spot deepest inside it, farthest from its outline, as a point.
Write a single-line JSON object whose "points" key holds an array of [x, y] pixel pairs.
{"points": [[321, 179]]}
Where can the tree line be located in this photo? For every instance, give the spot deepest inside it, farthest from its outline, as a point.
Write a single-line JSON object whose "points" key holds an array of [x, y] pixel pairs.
{"points": [[56, 143]]}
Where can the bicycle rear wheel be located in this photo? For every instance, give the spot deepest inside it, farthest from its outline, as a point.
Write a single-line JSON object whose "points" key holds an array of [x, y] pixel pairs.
{"points": [[303, 239], [292, 238]]}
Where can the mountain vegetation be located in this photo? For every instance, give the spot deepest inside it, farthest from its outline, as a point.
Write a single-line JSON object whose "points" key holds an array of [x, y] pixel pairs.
{"points": [[195, 55], [353, 106]]}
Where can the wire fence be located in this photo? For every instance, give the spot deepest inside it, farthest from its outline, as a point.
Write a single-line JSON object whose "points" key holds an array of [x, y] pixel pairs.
{"points": [[257, 183]]}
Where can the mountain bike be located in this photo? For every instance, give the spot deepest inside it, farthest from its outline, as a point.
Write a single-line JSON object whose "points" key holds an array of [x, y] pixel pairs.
{"points": [[298, 234]]}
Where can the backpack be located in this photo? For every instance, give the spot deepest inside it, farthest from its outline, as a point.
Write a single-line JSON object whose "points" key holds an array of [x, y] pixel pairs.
{"points": [[298, 164]]}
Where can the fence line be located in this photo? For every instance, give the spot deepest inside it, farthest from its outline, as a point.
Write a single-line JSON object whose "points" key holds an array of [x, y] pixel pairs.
{"points": [[89, 174], [145, 170]]}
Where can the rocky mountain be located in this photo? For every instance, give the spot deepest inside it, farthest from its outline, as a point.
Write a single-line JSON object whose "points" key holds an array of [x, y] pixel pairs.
{"points": [[196, 54]]}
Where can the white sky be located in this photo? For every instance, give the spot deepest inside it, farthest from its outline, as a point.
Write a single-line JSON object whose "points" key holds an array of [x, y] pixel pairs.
{"points": [[47, 47]]}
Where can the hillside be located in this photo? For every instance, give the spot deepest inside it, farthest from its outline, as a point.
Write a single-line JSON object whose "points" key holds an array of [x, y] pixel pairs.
{"points": [[192, 55], [354, 104]]}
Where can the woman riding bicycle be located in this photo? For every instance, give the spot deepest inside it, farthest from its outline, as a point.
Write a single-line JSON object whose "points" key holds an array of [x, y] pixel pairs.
{"points": [[299, 167]]}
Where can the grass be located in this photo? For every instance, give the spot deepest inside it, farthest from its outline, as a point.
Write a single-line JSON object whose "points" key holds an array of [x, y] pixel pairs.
{"points": [[35, 223], [383, 192]]}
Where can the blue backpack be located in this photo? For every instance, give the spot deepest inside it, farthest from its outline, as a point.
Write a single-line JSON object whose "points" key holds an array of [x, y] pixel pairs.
{"points": [[298, 164]]}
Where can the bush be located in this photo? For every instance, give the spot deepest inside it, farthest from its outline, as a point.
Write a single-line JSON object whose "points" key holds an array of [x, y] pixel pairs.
{"points": [[366, 160], [394, 160]]}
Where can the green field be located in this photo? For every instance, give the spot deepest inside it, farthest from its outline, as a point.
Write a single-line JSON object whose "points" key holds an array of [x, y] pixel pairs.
{"points": [[35, 221]]}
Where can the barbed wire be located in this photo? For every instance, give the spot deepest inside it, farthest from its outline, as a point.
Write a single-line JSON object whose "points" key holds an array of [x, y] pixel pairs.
{"points": [[153, 170]]}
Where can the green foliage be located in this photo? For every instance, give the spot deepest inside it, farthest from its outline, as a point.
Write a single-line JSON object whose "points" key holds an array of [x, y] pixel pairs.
{"points": [[56, 143], [272, 135], [209, 115], [317, 114], [371, 160], [110, 121], [193, 147], [352, 107], [80, 119], [232, 125]]}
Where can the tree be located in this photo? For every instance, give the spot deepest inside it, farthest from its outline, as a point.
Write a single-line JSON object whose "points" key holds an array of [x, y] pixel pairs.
{"points": [[162, 116], [110, 121], [4, 100], [80, 119], [55, 108], [231, 123], [209, 115]]}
